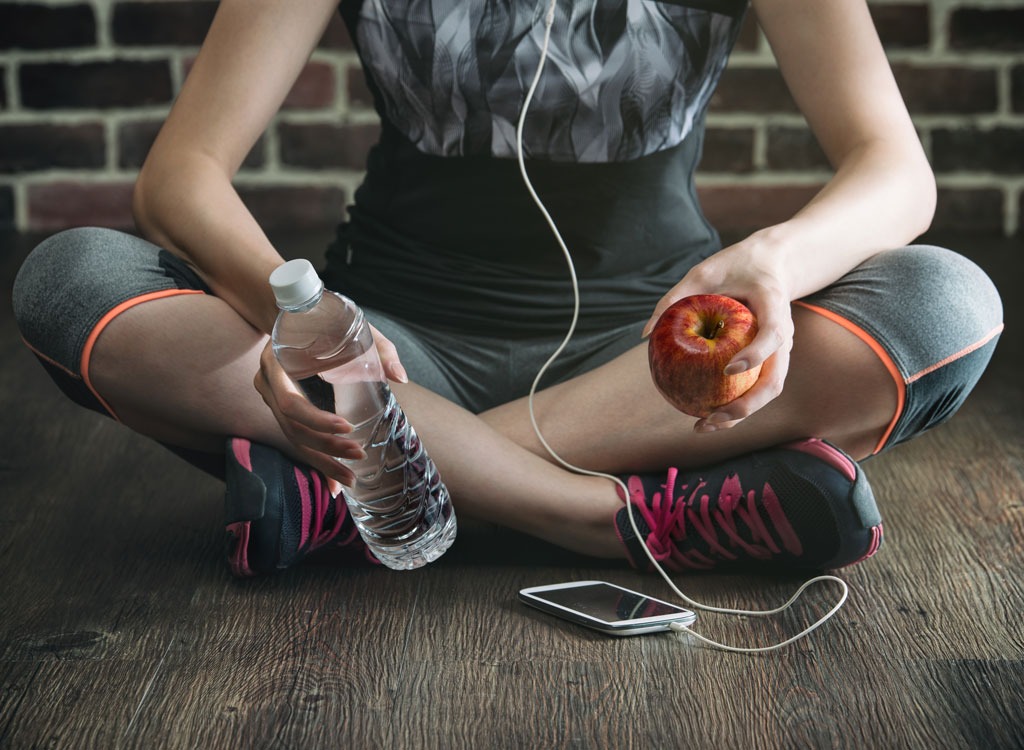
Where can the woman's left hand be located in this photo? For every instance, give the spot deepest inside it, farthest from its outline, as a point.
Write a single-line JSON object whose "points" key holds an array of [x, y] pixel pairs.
{"points": [[750, 273]]}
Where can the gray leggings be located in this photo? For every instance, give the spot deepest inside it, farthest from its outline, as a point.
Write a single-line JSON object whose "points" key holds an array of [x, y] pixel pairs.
{"points": [[932, 317]]}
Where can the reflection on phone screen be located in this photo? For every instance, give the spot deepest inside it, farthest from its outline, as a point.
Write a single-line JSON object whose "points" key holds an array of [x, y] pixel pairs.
{"points": [[608, 602]]}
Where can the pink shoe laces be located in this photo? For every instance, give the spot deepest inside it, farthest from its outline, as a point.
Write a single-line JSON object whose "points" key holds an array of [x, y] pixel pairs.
{"points": [[316, 506], [676, 523], [316, 503]]}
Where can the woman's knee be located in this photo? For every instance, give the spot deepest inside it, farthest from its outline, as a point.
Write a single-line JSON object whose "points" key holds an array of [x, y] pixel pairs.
{"points": [[948, 290], [77, 281], [52, 288], [958, 316], [73, 279], [932, 316]]}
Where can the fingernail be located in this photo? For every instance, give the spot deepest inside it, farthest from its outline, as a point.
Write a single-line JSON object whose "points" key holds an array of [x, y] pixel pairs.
{"points": [[704, 427], [735, 368], [718, 418], [402, 375], [646, 332]]}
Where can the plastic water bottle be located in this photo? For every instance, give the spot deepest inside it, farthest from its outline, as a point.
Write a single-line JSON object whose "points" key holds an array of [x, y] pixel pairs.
{"points": [[398, 501]]}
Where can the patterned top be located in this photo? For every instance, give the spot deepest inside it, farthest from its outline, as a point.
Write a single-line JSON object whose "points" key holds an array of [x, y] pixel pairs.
{"points": [[623, 78], [442, 229]]}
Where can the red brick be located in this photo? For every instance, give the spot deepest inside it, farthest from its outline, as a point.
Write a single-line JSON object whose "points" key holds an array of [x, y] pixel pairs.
{"points": [[998, 150], [728, 150], [59, 205], [336, 36], [313, 89], [326, 146], [749, 34], [40, 27], [162, 23], [294, 208], [136, 138], [794, 149], [95, 85], [740, 209], [969, 210], [26, 148], [902, 26], [1017, 88], [359, 94], [752, 90], [986, 29], [6, 207], [947, 89]]}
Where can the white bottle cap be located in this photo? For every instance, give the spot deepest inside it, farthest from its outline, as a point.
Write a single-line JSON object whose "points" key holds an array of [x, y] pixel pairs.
{"points": [[295, 283]]}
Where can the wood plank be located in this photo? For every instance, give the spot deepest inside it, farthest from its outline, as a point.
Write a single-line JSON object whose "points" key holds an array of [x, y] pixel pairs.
{"points": [[507, 676], [120, 626], [297, 660], [77, 703]]}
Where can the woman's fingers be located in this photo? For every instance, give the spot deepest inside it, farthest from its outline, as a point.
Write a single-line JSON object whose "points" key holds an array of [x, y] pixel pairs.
{"points": [[678, 292], [770, 350], [294, 407], [327, 466], [318, 435], [389, 357], [765, 390], [288, 403], [775, 333]]}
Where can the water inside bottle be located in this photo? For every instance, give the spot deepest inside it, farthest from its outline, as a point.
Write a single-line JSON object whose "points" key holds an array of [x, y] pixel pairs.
{"points": [[397, 501]]}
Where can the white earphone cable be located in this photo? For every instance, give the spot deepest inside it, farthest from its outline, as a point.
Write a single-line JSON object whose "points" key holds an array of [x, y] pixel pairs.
{"points": [[549, 19]]}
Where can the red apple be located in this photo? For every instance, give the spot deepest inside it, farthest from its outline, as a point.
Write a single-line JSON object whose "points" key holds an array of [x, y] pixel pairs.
{"points": [[690, 346]]}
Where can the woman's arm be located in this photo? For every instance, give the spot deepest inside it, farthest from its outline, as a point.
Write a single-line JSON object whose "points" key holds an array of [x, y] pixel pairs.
{"points": [[881, 196], [184, 200], [883, 192]]}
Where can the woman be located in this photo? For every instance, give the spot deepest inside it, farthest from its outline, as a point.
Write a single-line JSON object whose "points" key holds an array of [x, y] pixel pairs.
{"points": [[468, 290]]}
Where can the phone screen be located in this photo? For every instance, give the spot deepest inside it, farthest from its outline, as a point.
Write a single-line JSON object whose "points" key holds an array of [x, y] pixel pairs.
{"points": [[606, 602]]}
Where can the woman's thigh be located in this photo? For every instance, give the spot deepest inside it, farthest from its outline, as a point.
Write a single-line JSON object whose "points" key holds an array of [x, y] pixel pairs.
{"points": [[481, 372], [918, 322], [74, 284], [932, 317]]}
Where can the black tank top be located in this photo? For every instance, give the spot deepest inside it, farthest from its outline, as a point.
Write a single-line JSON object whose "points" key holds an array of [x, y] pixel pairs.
{"points": [[442, 229]]}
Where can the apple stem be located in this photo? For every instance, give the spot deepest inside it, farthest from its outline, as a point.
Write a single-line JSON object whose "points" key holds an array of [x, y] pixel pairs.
{"points": [[710, 334]]}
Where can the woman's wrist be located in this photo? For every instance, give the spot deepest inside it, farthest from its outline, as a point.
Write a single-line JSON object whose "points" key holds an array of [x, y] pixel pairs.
{"points": [[772, 258], [795, 256]]}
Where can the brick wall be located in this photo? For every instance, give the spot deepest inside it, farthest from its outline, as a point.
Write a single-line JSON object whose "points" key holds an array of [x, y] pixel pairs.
{"points": [[84, 85]]}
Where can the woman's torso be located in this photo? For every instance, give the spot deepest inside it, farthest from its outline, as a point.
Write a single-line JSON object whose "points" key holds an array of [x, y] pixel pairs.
{"points": [[612, 139]]}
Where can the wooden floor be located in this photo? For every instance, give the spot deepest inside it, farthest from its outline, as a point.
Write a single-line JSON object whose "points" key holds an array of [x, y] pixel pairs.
{"points": [[120, 626]]}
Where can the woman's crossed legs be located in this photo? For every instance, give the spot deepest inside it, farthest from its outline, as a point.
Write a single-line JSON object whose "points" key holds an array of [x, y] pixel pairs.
{"points": [[180, 369]]}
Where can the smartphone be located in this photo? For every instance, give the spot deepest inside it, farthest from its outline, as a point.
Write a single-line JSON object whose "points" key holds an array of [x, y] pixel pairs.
{"points": [[611, 609]]}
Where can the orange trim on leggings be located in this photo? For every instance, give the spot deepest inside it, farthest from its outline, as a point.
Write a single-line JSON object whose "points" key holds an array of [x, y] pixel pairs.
{"points": [[51, 360], [954, 357], [105, 321], [882, 354]]}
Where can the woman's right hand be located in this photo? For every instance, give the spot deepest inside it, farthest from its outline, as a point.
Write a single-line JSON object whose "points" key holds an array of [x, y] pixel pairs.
{"points": [[318, 436]]}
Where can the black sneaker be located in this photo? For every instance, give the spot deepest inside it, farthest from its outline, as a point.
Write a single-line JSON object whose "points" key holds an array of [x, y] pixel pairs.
{"points": [[801, 505], [278, 512]]}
